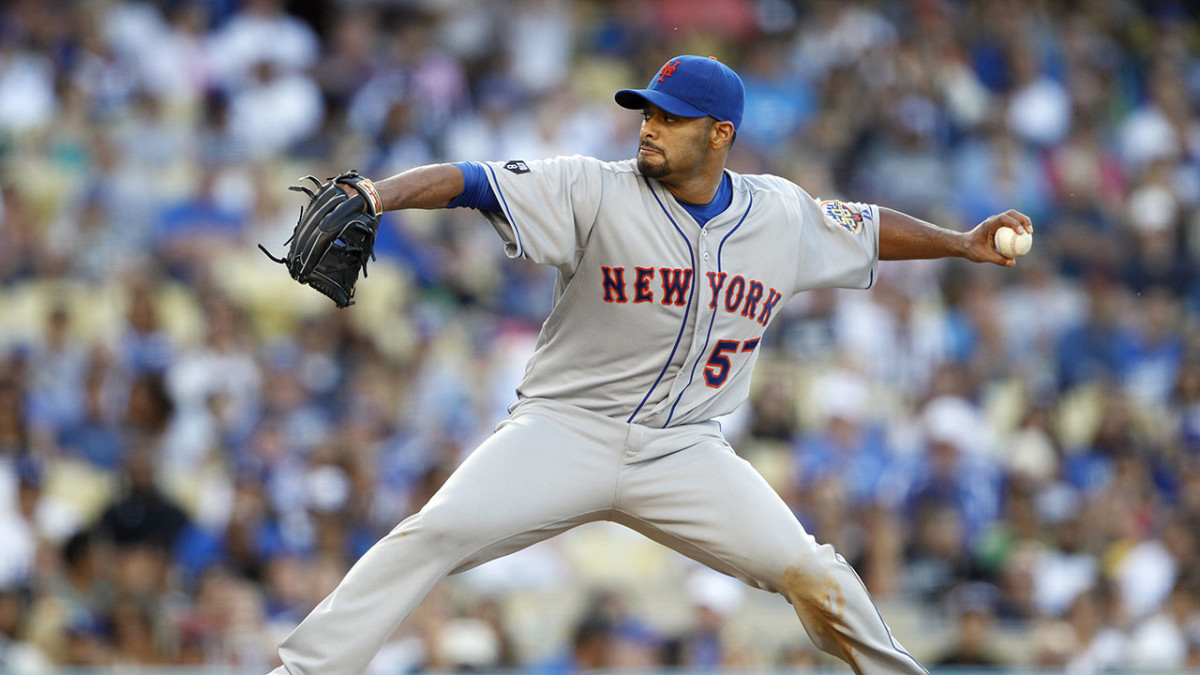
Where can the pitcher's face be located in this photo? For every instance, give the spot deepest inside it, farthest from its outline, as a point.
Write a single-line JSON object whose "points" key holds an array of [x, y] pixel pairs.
{"points": [[672, 145]]}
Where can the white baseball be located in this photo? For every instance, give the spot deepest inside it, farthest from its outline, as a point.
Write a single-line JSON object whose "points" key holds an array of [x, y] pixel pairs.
{"points": [[1010, 244]]}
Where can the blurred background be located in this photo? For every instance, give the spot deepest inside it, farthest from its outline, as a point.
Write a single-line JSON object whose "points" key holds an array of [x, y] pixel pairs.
{"points": [[194, 449]]}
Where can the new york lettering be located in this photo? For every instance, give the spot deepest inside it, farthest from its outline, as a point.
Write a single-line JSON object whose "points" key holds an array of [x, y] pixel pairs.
{"points": [[736, 295]]}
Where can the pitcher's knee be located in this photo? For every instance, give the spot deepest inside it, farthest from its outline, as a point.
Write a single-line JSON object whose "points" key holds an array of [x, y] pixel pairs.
{"points": [[839, 616], [812, 579], [815, 586]]}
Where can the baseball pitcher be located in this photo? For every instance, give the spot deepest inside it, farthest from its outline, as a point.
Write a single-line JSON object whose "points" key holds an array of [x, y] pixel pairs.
{"points": [[670, 268]]}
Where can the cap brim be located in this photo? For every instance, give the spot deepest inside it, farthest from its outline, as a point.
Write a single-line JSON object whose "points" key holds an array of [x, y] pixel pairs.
{"points": [[636, 99]]}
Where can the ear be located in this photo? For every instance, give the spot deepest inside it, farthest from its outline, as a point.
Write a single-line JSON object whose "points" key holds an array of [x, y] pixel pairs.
{"points": [[721, 134]]}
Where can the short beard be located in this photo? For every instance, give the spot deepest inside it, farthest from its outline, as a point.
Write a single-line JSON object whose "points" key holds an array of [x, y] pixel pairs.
{"points": [[653, 170]]}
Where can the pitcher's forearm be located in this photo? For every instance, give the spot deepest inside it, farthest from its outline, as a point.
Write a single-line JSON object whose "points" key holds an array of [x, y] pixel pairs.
{"points": [[902, 237], [425, 187]]}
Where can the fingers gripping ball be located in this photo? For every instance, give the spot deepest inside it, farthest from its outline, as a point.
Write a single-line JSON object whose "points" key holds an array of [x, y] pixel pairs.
{"points": [[1013, 244], [335, 235]]}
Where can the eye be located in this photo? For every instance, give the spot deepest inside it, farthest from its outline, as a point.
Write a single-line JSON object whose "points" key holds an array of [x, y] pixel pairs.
{"points": [[669, 119], [645, 115]]}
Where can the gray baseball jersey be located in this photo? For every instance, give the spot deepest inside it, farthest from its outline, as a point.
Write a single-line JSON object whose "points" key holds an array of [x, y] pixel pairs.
{"points": [[655, 329], [657, 320]]}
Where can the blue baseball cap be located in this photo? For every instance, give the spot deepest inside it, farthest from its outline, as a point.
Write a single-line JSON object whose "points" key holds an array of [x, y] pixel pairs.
{"points": [[691, 86]]}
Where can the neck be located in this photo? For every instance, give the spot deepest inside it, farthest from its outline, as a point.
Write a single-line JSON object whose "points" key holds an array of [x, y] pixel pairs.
{"points": [[699, 188]]}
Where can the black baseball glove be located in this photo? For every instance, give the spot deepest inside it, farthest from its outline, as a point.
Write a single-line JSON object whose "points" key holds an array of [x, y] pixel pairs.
{"points": [[335, 235]]}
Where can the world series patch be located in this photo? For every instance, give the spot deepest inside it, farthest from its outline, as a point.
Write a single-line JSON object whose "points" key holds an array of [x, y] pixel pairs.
{"points": [[844, 215]]}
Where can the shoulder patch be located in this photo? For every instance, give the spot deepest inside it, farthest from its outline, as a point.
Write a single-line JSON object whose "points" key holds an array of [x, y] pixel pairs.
{"points": [[844, 215], [517, 166]]}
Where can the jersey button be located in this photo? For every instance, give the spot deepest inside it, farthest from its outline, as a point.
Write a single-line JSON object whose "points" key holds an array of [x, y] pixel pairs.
{"points": [[706, 255], [704, 233]]}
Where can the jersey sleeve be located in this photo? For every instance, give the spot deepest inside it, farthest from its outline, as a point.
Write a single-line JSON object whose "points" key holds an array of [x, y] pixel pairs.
{"points": [[547, 207], [839, 244], [477, 191]]}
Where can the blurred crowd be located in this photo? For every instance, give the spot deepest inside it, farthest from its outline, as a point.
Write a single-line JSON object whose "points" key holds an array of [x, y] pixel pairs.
{"points": [[193, 449]]}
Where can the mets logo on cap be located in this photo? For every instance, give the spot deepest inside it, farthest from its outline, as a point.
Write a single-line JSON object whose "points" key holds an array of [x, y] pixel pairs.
{"points": [[667, 70]]}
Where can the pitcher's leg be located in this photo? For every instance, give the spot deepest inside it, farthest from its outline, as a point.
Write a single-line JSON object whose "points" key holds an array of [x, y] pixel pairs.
{"points": [[712, 506], [536, 476]]}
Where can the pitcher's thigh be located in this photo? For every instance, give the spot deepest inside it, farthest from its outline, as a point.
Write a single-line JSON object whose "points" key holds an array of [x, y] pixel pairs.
{"points": [[536, 476], [713, 506]]}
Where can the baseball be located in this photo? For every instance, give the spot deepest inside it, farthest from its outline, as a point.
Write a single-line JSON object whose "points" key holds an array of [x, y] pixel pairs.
{"points": [[1013, 245]]}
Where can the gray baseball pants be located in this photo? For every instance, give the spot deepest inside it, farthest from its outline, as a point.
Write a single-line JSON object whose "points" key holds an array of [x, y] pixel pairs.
{"points": [[552, 466]]}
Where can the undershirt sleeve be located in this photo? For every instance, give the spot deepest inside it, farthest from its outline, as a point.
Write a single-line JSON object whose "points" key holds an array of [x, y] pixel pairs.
{"points": [[477, 192]]}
